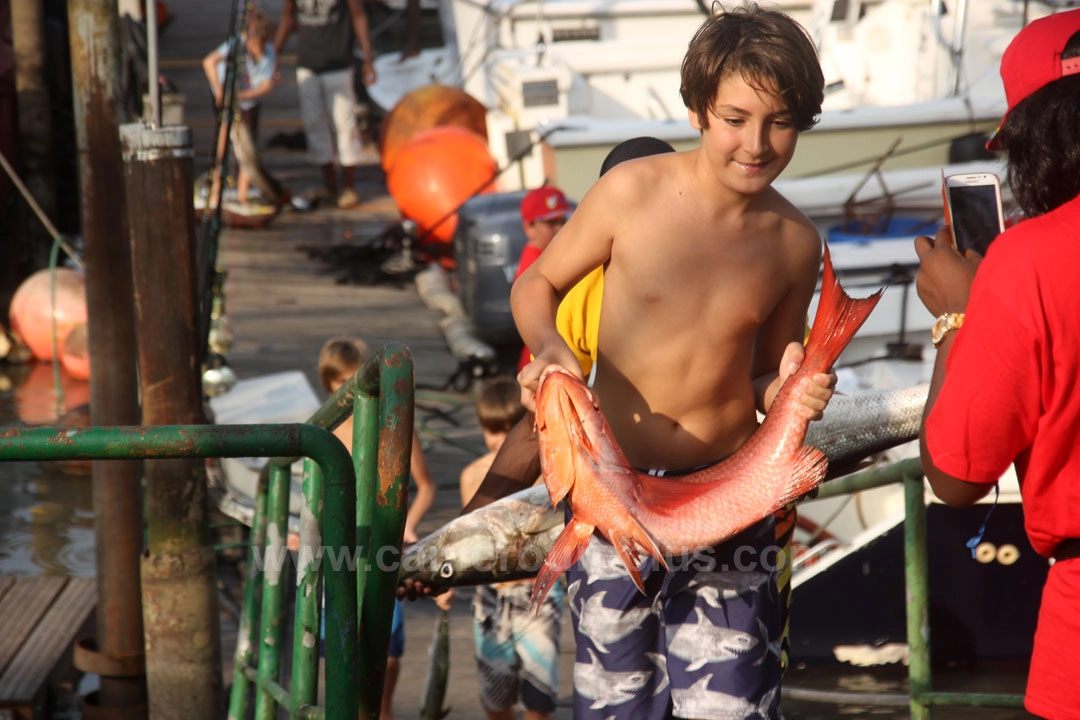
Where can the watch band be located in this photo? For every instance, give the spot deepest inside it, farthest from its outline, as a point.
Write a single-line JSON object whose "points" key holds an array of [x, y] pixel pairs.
{"points": [[945, 323]]}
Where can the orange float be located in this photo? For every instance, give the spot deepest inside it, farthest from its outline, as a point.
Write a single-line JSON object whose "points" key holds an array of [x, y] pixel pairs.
{"points": [[37, 401], [31, 312], [75, 352], [424, 108], [435, 173]]}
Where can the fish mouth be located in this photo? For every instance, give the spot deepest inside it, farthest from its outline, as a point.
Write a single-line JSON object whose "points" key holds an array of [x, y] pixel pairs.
{"points": [[573, 398]]}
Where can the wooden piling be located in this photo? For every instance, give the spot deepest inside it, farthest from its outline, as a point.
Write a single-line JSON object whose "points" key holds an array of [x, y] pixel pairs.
{"points": [[95, 50], [179, 575]]}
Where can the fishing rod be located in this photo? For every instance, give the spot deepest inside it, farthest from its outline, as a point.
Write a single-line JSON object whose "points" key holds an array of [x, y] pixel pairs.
{"points": [[211, 285]]}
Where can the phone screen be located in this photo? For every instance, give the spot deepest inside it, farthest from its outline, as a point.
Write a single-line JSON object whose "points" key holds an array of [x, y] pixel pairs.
{"points": [[975, 221]]}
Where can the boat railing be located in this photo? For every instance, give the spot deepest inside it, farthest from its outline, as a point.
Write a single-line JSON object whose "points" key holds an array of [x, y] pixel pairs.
{"points": [[921, 697], [351, 528]]}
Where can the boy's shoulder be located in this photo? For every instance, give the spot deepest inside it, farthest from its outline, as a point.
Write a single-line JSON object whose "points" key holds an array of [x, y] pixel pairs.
{"points": [[477, 467]]}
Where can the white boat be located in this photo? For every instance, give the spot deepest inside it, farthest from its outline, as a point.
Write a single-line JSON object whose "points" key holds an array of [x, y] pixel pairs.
{"points": [[565, 80]]}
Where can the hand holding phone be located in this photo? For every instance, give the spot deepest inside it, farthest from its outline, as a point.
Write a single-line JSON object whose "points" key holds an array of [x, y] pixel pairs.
{"points": [[973, 210]]}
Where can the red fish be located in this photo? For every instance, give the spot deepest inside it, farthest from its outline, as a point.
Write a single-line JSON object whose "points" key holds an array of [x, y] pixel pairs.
{"points": [[642, 515]]}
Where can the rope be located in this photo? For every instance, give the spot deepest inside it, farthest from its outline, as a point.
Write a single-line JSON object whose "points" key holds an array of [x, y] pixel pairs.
{"points": [[58, 239]]}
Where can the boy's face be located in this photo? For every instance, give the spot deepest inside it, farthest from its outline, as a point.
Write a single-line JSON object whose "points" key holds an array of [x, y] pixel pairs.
{"points": [[542, 232], [750, 137], [337, 381]]}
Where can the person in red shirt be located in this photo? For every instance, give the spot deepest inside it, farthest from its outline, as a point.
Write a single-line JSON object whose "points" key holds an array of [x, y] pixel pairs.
{"points": [[1008, 340], [543, 213]]}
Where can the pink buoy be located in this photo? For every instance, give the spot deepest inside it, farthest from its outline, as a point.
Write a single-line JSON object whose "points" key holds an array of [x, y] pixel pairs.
{"points": [[75, 352], [37, 400], [31, 312]]}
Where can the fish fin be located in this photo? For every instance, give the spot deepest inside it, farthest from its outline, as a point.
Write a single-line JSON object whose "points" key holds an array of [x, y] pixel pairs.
{"points": [[633, 549], [808, 468], [837, 320], [565, 551]]}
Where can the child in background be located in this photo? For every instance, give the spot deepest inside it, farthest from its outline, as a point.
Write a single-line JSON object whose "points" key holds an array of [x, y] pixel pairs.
{"points": [[517, 652], [339, 360], [255, 81]]}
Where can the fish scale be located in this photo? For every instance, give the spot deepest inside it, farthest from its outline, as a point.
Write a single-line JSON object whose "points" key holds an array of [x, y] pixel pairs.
{"points": [[581, 461]]}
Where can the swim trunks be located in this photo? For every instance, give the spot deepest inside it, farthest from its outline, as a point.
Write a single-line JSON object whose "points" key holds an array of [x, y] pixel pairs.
{"points": [[517, 652], [397, 632], [702, 642]]}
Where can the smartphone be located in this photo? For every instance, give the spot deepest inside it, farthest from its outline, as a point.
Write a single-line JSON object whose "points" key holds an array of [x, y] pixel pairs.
{"points": [[973, 209]]}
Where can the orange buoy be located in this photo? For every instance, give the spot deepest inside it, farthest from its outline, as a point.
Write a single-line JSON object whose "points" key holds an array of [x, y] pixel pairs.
{"points": [[424, 108], [75, 352], [436, 172], [31, 312]]}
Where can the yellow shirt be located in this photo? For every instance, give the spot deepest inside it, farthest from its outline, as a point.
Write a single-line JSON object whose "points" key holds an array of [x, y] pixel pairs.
{"points": [[578, 318]]}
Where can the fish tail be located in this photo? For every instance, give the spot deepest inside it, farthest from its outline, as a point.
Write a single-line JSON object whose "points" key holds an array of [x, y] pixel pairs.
{"points": [[633, 549], [567, 550], [837, 320]]}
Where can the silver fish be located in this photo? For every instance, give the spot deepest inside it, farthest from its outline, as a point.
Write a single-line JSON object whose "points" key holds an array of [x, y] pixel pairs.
{"points": [[508, 539], [438, 671]]}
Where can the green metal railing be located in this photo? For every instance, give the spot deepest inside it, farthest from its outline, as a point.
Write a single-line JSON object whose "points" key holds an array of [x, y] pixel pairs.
{"points": [[917, 582], [362, 579], [213, 441], [351, 505]]}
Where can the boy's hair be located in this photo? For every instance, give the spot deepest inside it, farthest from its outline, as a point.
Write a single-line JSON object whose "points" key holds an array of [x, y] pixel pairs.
{"points": [[498, 407], [339, 356], [1041, 138], [263, 27], [771, 51]]}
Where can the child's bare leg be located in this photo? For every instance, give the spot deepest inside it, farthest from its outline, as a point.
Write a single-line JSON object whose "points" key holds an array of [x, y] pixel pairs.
{"points": [[507, 714], [393, 667], [534, 715], [243, 184]]}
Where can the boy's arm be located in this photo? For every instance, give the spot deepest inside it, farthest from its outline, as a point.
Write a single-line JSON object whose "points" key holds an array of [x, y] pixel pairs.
{"points": [[209, 64], [778, 351], [425, 490], [363, 36], [515, 467], [286, 25], [581, 246]]}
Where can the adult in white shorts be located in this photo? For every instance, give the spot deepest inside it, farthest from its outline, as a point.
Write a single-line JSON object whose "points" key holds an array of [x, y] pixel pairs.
{"points": [[324, 76]]}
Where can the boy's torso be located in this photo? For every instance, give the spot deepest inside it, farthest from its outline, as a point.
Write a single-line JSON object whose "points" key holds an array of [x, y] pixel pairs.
{"points": [[685, 292]]}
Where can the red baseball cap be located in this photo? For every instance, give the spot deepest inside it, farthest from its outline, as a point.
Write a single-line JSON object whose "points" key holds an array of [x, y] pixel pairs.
{"points": [[1033, 60], [544, 203]]}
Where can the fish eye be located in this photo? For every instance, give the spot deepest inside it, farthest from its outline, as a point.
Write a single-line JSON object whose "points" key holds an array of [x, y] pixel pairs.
{"points": [[446, 570]]}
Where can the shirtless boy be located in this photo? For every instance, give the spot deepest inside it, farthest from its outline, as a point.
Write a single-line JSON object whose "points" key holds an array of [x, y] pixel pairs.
{"points": [[709, 273]]}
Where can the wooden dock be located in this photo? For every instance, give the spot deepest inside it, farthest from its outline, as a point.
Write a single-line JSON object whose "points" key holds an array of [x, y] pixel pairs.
{"points": [[40, 620]]}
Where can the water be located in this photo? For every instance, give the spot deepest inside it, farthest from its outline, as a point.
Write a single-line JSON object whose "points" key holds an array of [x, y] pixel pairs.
{"points": [[46, 509]]}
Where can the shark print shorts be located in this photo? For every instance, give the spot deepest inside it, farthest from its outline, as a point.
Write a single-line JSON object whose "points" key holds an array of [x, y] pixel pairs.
{"points": [[702, 642], [517, 652]]}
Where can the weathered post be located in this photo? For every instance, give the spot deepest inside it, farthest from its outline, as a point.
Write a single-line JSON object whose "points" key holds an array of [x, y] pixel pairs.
{"points": [[183, 663], [35, 127], [118, 649]]}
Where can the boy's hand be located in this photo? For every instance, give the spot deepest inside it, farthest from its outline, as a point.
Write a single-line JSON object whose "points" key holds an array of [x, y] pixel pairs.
{"points": [[445, 600], [945, 277], [529, 376], [816, 391]]}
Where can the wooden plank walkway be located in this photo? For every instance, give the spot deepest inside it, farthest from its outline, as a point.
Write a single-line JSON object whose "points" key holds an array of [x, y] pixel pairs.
{"points": [[40, 620]]}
